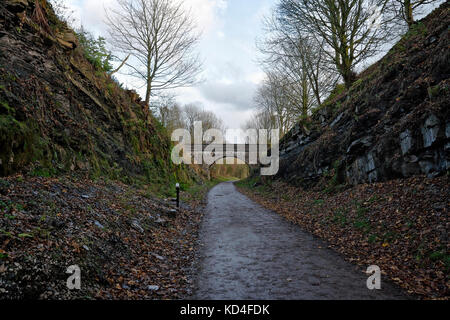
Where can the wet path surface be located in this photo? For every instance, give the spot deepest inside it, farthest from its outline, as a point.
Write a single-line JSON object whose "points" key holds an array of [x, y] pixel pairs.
{"points": [[249, 252]]}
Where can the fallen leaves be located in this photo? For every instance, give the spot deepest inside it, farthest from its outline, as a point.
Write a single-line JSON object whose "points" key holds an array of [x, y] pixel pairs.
{"points": [[400, 225], [138, 242]]}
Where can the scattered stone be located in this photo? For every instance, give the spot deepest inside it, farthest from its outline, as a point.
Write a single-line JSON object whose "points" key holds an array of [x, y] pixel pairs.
{"points": [[157, 256], [439, 206], [339, 117], [405, 141], [135, 224], [431, 40], [153, 288], [430, 130], [161, 221], [98, 224], [363, 142]]}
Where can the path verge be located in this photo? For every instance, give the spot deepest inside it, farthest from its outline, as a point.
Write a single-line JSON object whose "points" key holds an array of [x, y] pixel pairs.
{"points": [[401, 226]]}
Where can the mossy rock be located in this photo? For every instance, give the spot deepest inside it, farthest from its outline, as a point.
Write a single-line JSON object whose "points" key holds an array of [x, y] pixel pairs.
{"points": [[18, 142]]}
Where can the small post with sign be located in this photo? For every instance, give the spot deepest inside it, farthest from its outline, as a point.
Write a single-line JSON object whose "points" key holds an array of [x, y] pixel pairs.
{"points": [[178, 195]]}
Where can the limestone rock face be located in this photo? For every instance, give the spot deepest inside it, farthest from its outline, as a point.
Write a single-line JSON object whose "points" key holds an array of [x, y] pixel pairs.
{"points": [[68, 40], [395, 124], [59, 113]]}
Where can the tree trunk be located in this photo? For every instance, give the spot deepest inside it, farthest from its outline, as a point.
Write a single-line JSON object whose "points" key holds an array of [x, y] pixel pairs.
{"points": [[148, 93], [349, 77], [305, 98], [344, 63], [149, 77], [317, 92], [409, 13]]}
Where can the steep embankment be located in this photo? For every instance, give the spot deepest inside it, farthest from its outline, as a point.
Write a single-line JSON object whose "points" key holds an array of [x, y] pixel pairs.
{"points": [[369, 171], [392, 123], [59, 114], [127, 243], [63, 123]]}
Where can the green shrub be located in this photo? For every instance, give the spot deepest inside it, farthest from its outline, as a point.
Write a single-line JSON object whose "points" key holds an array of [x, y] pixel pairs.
{"points": [[95, 50], [337, 91], [372, 238], [44, 172], [340, 216]]}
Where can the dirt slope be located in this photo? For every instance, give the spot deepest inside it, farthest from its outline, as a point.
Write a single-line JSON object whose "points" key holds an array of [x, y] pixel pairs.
{"points": [[59, 114], [392, 123]]}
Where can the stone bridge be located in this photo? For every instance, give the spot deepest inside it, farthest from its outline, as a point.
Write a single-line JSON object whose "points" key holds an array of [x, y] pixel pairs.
{"points": [[247, 153]]}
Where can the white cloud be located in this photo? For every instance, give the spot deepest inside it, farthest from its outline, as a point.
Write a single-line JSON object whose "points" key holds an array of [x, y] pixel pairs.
{"points": [[207, 13], [256, 77], [227, 48], [239, 94], [91, 14]]}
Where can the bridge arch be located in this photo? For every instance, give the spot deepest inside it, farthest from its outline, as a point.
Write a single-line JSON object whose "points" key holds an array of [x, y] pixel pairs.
{"points": [[224, 158], [244, 153], [217, 168]]}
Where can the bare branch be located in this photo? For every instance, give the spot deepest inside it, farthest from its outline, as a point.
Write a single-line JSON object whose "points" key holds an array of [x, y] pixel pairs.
{"points": [[161, 38]]}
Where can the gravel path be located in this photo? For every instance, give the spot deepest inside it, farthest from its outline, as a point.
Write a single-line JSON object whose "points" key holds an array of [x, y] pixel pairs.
{"points": [[248, 252]]}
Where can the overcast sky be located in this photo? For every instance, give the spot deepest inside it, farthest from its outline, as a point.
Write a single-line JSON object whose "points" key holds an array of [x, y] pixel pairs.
{"points": [[231, 73]]}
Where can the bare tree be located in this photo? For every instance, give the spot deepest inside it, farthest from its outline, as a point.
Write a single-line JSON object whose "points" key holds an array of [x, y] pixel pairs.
{"points": [[350, 30], [302, 61], [210, 121], [161, 37], [172, 117], [406, 10], [281, 102], [63, 12], [260, 120], [193, 113], [168, 111]]}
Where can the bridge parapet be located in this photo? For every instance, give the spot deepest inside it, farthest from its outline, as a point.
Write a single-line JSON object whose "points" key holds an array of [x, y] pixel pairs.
{"points": [[247, 153]]}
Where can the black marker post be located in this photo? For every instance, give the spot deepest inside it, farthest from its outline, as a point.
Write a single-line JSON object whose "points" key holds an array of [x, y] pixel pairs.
{"points": [[178, 195]]}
